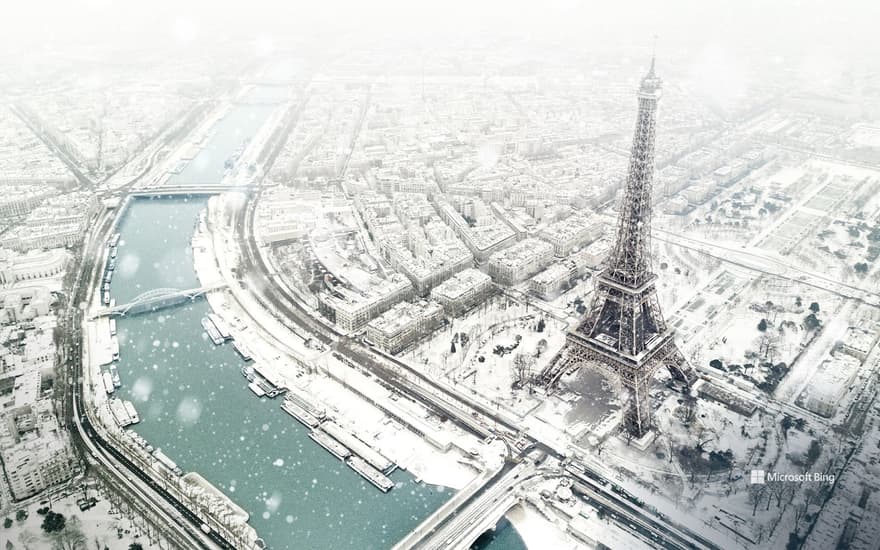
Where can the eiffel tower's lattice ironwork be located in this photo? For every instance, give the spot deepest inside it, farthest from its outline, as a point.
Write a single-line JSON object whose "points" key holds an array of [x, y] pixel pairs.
{"points": [[624, 329]]}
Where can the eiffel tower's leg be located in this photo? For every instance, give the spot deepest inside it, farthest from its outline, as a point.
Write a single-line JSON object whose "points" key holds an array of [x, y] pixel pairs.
{"points": [[556, 367], [637, 419], [679, 367]]}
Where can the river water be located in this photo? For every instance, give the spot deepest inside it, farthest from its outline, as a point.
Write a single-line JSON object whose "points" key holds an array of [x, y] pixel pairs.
{"points": [[194, 403]]}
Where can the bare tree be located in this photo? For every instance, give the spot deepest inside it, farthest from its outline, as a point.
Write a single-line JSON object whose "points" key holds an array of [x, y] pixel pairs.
{"points": [[541, 347], [71, 537], [522, 365], [756, 493], [785, 493], [774, 490], [800, 511]]}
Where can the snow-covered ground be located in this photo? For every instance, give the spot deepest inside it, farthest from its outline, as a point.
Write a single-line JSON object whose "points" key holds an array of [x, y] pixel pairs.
{"points": [[103, 526], [537, 531]]}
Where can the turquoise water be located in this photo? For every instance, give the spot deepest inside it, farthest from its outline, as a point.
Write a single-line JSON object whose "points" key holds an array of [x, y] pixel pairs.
{"points": [[154, 249], [504, 537]]}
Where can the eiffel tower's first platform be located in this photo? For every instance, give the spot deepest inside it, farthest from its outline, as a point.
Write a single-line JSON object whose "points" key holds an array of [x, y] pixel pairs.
{"points": [[624, 329]]}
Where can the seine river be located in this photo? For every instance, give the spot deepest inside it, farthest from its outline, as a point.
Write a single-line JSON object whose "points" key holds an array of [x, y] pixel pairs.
{"points": [[195, 405]]}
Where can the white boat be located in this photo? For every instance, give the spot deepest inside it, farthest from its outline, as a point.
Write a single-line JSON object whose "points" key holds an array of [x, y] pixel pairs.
{"points": [[242, 351], [221, 327], [212, 331], [132, 412], [164, 460], [117, 409], [108, 383], [114, 375]]}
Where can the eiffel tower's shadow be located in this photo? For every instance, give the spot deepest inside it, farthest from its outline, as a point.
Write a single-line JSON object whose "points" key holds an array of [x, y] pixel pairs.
{"points": [[599, 392]]}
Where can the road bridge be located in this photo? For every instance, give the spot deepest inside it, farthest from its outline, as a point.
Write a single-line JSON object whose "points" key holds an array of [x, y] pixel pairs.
{"points": [[158, 298], [473, 511], [196, 189]]}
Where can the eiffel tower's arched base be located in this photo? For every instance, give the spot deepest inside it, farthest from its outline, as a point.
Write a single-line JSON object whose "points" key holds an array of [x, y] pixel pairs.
{"points": [[636, 373]]}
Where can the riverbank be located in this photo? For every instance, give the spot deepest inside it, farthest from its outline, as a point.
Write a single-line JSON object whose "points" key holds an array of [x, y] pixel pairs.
{"points": [[303, 365]]}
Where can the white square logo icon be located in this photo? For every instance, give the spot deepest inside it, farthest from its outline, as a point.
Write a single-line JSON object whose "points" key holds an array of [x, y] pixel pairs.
{"points": [[757, 477]]}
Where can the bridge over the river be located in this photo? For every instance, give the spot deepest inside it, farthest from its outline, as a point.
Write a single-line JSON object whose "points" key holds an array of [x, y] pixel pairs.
{"points": [[472, 511], [156, 299]]}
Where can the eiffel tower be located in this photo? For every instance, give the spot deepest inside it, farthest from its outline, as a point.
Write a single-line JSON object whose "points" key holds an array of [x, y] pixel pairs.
{"points": [[624, 329]]}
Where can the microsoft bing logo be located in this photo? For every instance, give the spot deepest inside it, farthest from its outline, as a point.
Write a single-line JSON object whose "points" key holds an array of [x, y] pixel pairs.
{"points": [[757, 477]]}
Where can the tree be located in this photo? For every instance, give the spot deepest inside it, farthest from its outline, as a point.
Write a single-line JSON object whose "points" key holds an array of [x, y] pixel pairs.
{"points": [[787, 423], [800, 511], [452, 347], [812, 322], [720, 460], [813, 452], [861, 268], [541, 347], [522, 365], [541, 325], [762, 325], [70, 538], [7, 523], [716, 364], [135, 546], [21, 515], [787, 493], [814, 307], [775, 490], [756, 493], [798, 302], [53, 522]]}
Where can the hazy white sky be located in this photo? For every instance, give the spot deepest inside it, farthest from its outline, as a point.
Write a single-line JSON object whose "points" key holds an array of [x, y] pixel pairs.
{"points": [[837, 32]]}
